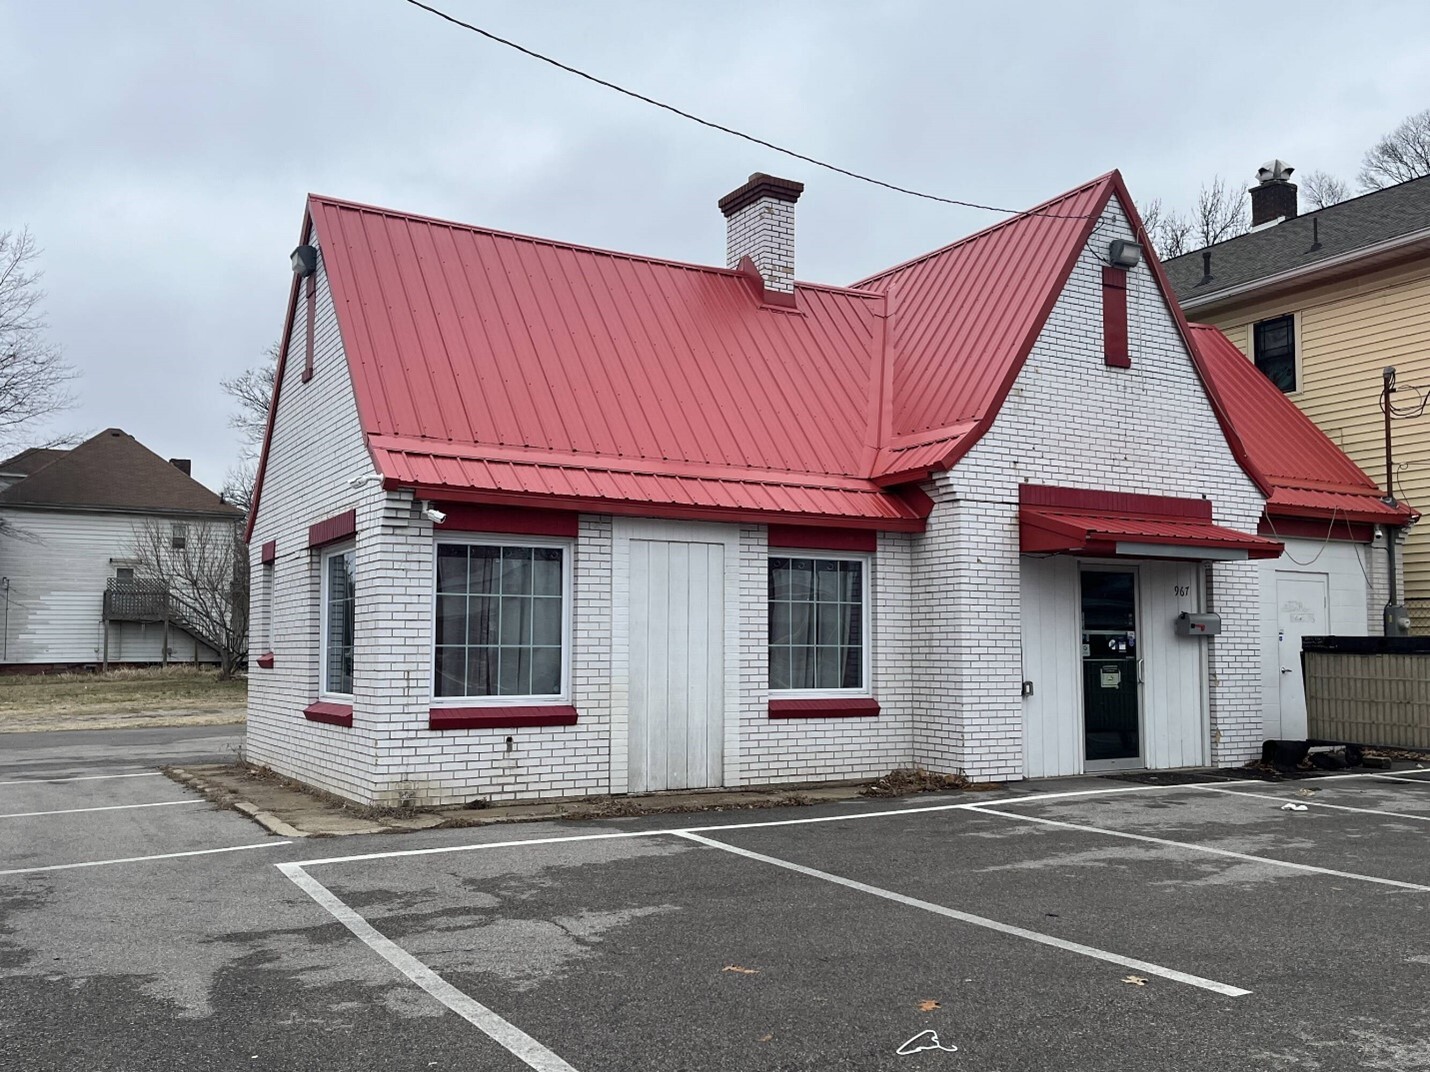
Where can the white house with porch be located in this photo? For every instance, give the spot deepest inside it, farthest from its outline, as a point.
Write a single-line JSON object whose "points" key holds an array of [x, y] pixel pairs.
{"points": [[538, 520]]}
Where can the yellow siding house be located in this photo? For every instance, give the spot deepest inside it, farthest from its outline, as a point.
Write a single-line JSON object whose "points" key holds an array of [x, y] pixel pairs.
{"points": [[1323, 302]]}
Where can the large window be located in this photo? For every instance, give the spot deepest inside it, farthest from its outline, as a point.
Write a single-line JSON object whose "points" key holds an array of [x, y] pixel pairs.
{"points": [[501, 621], [817, 623], [1275, 349], [338, 604]]}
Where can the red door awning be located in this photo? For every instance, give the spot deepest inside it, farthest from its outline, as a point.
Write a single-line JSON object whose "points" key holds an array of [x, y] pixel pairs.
{"points": [[1076, 521]]}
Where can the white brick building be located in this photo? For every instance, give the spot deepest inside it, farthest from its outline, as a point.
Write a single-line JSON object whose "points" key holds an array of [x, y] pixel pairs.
{"points": [[537, 520]]}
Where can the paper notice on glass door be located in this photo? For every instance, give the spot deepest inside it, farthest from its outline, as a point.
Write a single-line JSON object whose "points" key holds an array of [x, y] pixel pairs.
{"points": [[1111, 677]]}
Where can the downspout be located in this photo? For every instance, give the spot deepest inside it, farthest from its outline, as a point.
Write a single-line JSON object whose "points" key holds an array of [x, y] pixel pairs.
{"points": [[1396, 622]]}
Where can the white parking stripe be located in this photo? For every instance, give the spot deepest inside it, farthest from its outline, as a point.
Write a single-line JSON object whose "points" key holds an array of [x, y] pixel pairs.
{"points": [[883, 814], [504, 1033], [981, 921], [108, 807], [142, 859], [1311, 801], [1193, 847], [83, 778]]}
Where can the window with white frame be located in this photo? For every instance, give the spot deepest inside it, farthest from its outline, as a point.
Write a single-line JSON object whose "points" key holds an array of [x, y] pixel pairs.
{"points": [[338, 603], [501, 621], [818, 623]]}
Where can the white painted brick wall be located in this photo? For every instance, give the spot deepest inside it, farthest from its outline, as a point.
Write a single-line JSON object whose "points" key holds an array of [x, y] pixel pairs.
{"points": [[1069, 420], [764, 231]]}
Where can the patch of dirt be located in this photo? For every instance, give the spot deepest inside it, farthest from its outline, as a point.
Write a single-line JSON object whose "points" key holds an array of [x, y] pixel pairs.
{"points": [[136, 720], [906, 781]]}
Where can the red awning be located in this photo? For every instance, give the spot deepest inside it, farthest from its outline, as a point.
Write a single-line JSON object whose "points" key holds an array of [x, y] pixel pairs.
{"points": [[1075, 521]]}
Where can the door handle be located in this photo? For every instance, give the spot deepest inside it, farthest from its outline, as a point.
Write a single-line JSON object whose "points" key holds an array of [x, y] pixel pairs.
{"points": [[1286, 670], [1140, 665]]}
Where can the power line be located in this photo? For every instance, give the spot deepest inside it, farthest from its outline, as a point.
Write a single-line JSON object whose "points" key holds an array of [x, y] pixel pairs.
{"points": [[729, 130]]}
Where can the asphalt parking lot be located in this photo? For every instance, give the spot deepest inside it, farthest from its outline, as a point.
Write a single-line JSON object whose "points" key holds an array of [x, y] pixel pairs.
{"points": [[1091, 924]]}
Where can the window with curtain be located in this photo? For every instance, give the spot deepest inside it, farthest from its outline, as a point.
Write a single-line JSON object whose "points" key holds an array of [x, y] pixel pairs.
{"points": [[817, 623], [339, 593], [500, 620]]}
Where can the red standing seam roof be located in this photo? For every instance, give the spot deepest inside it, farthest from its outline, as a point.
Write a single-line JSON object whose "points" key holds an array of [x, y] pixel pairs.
{"points": [[1306, 473], [501, 368]]}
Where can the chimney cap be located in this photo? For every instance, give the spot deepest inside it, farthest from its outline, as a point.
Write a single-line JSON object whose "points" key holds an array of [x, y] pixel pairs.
{"points": [[760, 185], [1274, 171]]}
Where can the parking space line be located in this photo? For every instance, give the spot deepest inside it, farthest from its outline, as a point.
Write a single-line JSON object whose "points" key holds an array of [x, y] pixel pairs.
{"points": [[83, 778], [886, 813], [980, 921], [107, 807], [1193, 847], [142, 859], [504, 1033], [1302, 800]]}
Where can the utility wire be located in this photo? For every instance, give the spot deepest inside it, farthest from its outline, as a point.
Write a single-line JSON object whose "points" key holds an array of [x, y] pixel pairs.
{"points": [[730, 130]]}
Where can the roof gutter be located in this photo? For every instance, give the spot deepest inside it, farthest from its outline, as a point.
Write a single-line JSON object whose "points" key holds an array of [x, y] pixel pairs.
{"points": [[1307, 270]]}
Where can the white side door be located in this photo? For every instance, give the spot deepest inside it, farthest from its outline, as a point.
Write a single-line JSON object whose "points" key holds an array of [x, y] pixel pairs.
{"points": [[676, 664], [1301, 610]]}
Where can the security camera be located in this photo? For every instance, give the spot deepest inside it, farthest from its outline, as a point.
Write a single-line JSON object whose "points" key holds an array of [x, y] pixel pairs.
{"points": [[432, 514], [364, 481]]}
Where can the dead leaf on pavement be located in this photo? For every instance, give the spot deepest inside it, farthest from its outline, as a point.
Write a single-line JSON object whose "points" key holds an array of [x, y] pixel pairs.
{"points": [[765, 1038], [1135, 980], [742, 971], [928, 1005]]}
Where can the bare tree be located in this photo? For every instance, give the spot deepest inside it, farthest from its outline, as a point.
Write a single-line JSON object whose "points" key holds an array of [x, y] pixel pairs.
{"points": [[1168, 230], [34, 378], [1400, 156], [1322, 190], [1220, 213], [252, 393], [198, 570]]}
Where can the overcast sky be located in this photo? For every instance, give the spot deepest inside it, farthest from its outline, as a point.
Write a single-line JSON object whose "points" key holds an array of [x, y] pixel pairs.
{"points": [[160, 151]]}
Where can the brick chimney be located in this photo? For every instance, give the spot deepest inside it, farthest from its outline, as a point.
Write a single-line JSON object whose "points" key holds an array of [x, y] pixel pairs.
{"points": [[1273, 198], [183, 465], [759, 224]]}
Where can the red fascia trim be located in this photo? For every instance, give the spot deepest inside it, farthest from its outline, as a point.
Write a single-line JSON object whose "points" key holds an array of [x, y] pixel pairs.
{"points": [[270, 552], [304, 233], [1114, 318], [675, 511], [310, 286], [833, 707], [1116, 502], [1278, 527], [265, 661], [334, 528], [465, 517], [334, 714], [817, 539], [476, 718]]}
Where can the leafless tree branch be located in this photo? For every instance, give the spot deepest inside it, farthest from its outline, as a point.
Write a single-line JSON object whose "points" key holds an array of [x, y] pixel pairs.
{"points": [[34, 377], [1400, 156], [1322, 190]]}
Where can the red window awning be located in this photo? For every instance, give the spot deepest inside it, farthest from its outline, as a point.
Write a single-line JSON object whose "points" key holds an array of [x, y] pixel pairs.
{"points": [[1076, 521]]}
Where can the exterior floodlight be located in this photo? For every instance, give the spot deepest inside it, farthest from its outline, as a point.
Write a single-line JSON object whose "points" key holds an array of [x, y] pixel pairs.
{"points": [[305, 261], [1124, 254], [364, 481]]}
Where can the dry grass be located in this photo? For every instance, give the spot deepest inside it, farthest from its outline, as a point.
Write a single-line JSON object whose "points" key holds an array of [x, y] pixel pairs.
{"points": [[129, 697]]}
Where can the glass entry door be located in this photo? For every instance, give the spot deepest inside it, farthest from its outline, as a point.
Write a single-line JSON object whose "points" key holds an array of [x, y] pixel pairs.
{"points": [[1111, 708]]}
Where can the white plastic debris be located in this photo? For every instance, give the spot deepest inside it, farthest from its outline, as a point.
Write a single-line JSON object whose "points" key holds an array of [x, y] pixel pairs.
{"points": [[1293, 807]]}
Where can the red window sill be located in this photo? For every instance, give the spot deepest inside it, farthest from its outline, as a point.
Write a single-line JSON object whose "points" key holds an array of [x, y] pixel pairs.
{"points": [[334, 714], [833, 707], [476, 718], [265, 661]]}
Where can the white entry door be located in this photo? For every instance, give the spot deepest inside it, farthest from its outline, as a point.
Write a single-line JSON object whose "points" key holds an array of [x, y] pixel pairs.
{"points": [[1302, 610], [677, 664]]}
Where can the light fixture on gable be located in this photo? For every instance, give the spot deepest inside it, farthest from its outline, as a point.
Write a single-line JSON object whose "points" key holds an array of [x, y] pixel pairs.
{"points": [[305, 261], [1124, 254]]}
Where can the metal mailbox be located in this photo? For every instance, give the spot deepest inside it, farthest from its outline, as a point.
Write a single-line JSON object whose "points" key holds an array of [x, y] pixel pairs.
{"points": [[1198, 624]]}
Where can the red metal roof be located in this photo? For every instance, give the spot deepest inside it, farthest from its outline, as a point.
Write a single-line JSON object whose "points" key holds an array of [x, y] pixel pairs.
{"points": [[1061, 520], [1306, 474], [501, 368]]}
